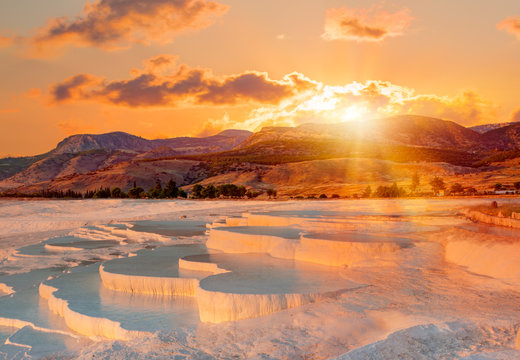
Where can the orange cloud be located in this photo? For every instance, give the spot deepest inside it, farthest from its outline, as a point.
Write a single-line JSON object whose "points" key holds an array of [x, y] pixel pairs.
{"points": [[32, 93], [466, 109], [5, 41], [516, 116], [365, 24], [184, 85], [511, 25], [74, 87], [214, 126], [115, 23], [293, 100], [371, 99]]}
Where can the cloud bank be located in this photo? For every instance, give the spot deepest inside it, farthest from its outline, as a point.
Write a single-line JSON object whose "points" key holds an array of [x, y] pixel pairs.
{"points": [[368, 100], [292, 100], [155, 87], [510, 25], [363, 25], [5, 41], [117, 23]]}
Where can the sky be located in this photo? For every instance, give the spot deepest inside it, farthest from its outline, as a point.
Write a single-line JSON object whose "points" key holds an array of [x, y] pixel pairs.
{"points": [[166, 68]]}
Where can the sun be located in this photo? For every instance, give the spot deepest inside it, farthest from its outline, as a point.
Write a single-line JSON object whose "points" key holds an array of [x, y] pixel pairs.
{"points": [[353, 112]]}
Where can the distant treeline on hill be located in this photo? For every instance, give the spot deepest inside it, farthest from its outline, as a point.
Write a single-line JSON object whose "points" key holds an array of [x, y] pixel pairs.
{"points": [[229, 191], [170, 191], [232, 191]]}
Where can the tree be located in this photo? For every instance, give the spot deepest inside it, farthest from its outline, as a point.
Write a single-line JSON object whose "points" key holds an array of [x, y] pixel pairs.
{"points": [[517, 185], [135, 192], [323, 196], [367, 192], [102, 193], [389, 191], [116, 193], [415, 182], [231, 190], [471, 190], [395, 191], [156, 192], [196, 191], [171, 190], [437, 184], [456, 188], [271, 193], [498, 187], [241, 191], [209, 191]]}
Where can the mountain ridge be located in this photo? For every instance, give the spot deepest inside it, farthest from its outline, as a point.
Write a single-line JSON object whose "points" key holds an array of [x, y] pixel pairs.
{"points": [[399, 130], [78, 163], [119, 140], [83, 153]]}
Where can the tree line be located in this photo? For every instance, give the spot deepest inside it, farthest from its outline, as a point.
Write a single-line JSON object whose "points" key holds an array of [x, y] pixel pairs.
{"points": [[169, 191], [436, 183], [228, 191]]}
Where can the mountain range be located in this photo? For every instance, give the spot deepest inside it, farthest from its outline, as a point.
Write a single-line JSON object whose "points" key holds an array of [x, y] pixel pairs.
{"points": [[294, 159]]}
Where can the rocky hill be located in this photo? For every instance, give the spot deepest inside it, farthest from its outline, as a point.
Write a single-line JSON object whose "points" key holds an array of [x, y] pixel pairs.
{"points": [[503, 138], [339, 158], [123, 141], [481, 129], [407, 130], [81, 154]]}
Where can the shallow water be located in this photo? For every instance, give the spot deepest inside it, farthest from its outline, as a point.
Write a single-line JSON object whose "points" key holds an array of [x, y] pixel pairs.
{"points": [[302, 307]]}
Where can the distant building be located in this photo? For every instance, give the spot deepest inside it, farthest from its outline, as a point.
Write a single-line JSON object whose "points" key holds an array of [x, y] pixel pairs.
{"points": [[505, 190]]}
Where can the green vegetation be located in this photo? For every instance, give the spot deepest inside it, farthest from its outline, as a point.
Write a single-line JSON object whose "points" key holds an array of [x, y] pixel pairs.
{"points": [[416, 181], [500, 156], [437, 184], [228, 191], [253, 194], [12, 165], [170, 191], [136, 192], [393, 191], [48, 194], [456, 188], [272, 193], [288, 151]]}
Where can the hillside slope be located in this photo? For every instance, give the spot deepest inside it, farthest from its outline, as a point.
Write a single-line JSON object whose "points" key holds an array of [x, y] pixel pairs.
{"points": [[481, 129], [80, 154], [407, 130], [123, 141], [332, 157], [504, 138]]}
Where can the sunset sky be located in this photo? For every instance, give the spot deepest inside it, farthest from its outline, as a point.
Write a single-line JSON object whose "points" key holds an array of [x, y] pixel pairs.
{"points": [[166, 68]]}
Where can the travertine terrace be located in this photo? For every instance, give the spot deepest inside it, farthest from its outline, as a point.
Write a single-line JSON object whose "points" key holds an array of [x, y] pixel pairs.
{"points": [[368, 279]]}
